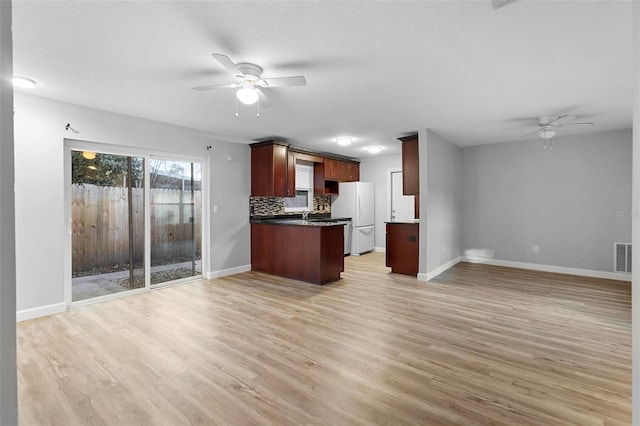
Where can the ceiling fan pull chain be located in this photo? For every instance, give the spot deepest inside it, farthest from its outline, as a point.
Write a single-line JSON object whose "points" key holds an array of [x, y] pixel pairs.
{"points": [[236, 105], [258, 108], [551, 144]]}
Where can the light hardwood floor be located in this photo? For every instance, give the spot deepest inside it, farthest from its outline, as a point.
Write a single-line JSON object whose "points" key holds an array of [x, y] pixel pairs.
{"points": [[479, 345]]}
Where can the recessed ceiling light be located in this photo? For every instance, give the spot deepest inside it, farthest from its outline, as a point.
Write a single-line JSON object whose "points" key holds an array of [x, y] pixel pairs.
{"points": [[344, 141], [24, 82], [374, 149]]}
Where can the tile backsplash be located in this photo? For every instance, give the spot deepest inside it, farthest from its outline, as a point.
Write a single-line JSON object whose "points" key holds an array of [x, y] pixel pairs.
{"points": [[273, 206]]}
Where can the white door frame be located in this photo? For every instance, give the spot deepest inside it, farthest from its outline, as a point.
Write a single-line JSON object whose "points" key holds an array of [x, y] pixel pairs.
{"points": [[74, 144], [389, 213], [390, 192]]}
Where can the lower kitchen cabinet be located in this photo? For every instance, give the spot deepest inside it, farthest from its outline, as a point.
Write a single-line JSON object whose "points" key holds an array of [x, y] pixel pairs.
{"points": [[313, 254], [402, 247]]}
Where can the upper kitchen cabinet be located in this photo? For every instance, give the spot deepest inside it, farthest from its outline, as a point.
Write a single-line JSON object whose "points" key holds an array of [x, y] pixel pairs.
{"points": [[271, 170], [354, 172], [331, 169], [410, 165], [341, 171], [330, 172]]}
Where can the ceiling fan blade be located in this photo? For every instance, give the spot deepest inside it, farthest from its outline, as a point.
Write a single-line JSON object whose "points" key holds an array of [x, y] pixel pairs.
{"points": [[227, 63], [569, 124], [560, 117], [536, 132], [217, 86], [265, 102], [285, 81]]}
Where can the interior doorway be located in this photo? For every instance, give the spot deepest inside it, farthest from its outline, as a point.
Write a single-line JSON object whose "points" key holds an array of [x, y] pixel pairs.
{"points": [[402, 207]]}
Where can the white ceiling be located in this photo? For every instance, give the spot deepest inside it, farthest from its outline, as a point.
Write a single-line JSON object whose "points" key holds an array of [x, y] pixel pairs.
{"points": [[375, 70]]}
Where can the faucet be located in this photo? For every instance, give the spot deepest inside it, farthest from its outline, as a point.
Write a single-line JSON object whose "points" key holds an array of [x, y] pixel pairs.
{"points": [[305, 215]]}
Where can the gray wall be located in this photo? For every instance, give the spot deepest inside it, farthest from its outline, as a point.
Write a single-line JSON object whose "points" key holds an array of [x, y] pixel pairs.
{"points": [[376, 170], [230, 237], [440, 201], [8, 382], [40, 186], [573, 201], [635, 292]]}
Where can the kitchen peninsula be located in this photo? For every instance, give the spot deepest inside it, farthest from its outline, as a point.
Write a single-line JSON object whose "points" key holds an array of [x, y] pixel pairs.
{"points": [[311, 251], [282, 243]]}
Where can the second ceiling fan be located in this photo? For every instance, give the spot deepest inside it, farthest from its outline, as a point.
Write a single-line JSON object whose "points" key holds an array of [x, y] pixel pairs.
{"points": [[250, 83], [548, 123]]}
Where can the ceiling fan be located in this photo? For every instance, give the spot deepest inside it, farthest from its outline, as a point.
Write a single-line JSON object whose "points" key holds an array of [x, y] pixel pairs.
{"points": [[250, 83], [548, 123]]}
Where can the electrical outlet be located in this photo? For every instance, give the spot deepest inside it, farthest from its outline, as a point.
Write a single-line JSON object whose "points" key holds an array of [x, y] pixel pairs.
{"points": [[536, 248], [216, 209]]}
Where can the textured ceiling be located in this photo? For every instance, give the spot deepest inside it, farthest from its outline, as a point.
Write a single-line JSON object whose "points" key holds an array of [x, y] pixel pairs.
{"points": [[375, 70]]}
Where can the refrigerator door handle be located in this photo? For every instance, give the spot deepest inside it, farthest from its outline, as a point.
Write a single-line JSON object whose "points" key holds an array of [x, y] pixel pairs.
{"points": [[358, 211]]}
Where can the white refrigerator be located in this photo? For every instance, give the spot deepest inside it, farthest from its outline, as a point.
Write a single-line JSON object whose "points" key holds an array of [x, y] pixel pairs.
{"points": [[356, 200]]}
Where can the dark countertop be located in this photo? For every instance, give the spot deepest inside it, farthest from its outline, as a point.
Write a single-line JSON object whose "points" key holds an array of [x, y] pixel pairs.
{"points": [[296, 220], [411, 221]]}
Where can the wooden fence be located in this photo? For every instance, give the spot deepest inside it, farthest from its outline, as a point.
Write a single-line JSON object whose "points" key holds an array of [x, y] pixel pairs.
{"points": [[100, 231]]}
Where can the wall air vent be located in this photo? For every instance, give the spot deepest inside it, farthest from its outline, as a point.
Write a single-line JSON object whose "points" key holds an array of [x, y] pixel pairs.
{"points": [[622, 257]]}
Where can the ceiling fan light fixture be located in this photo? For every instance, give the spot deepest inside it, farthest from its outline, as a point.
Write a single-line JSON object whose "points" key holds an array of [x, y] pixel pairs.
{"points": [[547, 134], [344, 141], [247, 95]]}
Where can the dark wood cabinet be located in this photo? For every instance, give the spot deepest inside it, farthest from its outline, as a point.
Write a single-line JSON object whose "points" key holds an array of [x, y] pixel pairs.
{"points": [[331, 169], [410, 166], [272, 170], [402, 247], [291, 174], [313, 254], [354, 172], [341, 171], [321, 185], [411, 170], [328, 175]]}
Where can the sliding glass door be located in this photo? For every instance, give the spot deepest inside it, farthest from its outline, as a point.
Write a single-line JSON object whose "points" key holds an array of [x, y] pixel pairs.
{"points": [[107, 216], [136, 221], [176, 205]]}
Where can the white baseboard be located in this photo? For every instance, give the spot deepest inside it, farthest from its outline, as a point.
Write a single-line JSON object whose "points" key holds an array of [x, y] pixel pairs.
{"points": [[231, 271], [380, 249], [42, 311], [550, 268], [431, 275]]}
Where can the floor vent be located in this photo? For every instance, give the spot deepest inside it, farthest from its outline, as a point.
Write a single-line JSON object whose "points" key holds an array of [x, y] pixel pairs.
{"points": [[622, 257]]}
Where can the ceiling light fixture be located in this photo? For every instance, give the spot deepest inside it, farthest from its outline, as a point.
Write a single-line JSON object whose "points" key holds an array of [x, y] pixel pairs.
{"points": [[89, 155], [547, 134], [373, 149], [23, 82], [247, 94], [344, 141]]}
